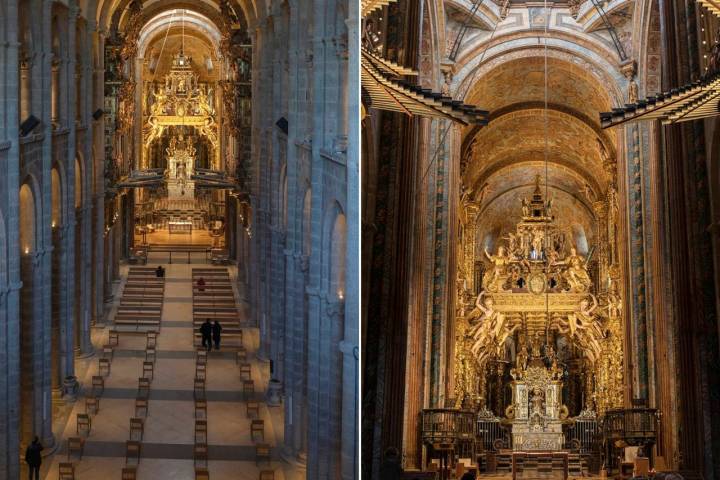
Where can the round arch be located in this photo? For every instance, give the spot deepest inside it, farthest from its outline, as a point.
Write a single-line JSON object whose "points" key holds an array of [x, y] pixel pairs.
{"points": [[29, 214]]}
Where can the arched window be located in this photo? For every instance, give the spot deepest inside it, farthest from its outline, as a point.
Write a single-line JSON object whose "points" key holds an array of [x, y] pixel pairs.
{"points": [[27, 219], [56, 214], [338, 244]]}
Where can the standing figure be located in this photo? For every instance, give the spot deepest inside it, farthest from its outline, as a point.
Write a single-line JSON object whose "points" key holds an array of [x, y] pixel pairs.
{"points": [[33, 458], [216, 329], [500, 262], [206, 330], [201, 284]]}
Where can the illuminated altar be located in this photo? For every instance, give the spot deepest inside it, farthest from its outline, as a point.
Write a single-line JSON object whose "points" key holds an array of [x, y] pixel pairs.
{"points": [[536, 411]]}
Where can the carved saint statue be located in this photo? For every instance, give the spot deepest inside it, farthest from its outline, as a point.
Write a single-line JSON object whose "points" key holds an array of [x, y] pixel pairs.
{"points": [[525, 207], [537, 244], [537, 402]]}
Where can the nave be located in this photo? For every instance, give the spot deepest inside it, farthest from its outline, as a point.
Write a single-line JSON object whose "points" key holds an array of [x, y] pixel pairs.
{"points": [[239, 421]]}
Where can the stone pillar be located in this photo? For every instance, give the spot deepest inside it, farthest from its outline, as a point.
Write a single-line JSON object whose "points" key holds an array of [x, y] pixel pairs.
{"points": [[11, 110], [36, 416], [56, 287], [25, 89]]}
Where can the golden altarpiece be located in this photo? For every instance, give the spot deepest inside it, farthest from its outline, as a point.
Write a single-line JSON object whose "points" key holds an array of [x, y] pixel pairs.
{"points": [[543, 339], [180, 103]]}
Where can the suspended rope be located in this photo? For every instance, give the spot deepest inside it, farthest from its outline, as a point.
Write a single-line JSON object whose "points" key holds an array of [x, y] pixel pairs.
{"points": [[162, 47], [546, 156]]}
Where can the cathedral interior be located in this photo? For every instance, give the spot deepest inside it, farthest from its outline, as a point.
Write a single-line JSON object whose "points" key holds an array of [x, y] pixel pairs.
{"points": [[540, 208], [164, 163]]}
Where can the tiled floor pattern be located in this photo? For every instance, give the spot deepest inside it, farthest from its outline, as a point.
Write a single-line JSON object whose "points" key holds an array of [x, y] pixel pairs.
{"points": [[169, 426]]}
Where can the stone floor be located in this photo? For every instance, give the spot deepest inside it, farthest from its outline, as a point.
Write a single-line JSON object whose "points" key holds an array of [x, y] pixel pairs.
{"points": [[169, 426]]}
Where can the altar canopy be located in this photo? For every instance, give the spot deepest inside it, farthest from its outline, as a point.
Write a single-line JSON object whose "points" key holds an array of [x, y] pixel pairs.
{"points": [[180, 100], [542, 339]]}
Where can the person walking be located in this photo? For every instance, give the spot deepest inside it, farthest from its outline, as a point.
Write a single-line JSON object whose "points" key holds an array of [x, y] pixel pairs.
{"points": [[33, 458], [216, 329], [201, 284], [206, 330]]}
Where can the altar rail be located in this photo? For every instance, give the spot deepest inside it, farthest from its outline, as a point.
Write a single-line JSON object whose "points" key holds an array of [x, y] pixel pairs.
{"points": [[583, 435]]}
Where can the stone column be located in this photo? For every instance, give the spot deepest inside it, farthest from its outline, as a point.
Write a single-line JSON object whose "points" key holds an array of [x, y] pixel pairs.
{"points": [[36, 418], [11, 111], [56, 286], [25, 89]]}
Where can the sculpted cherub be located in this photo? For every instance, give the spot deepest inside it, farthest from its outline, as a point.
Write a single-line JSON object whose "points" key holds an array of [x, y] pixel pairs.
{"points": [[489, 325], [583, 319]]}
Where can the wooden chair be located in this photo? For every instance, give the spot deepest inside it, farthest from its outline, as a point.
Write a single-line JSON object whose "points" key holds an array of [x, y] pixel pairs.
{"points": [[201, 371], [241, 356], [262, 453], [200, 407], [200, 455], [245, 372], [98, 385], [201, 356], [151, 339], [66, 471], [132, 451], [108, 352], [104, 366], [148, 370], [92, 404], [143, 387], [150, 354], [202, 473], [75, 446], [257, 428], [200, 431], [248, 388], [129, 473], [84, 423], [267, 475], [252, 410], [199, 388], [113, 337], [137, 426], [141, 407]]}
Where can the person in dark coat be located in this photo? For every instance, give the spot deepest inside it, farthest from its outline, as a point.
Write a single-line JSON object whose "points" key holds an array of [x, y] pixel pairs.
{"points": [[390, 469], [33, 458], [206, 330], [201, 284], [216, 329]]}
